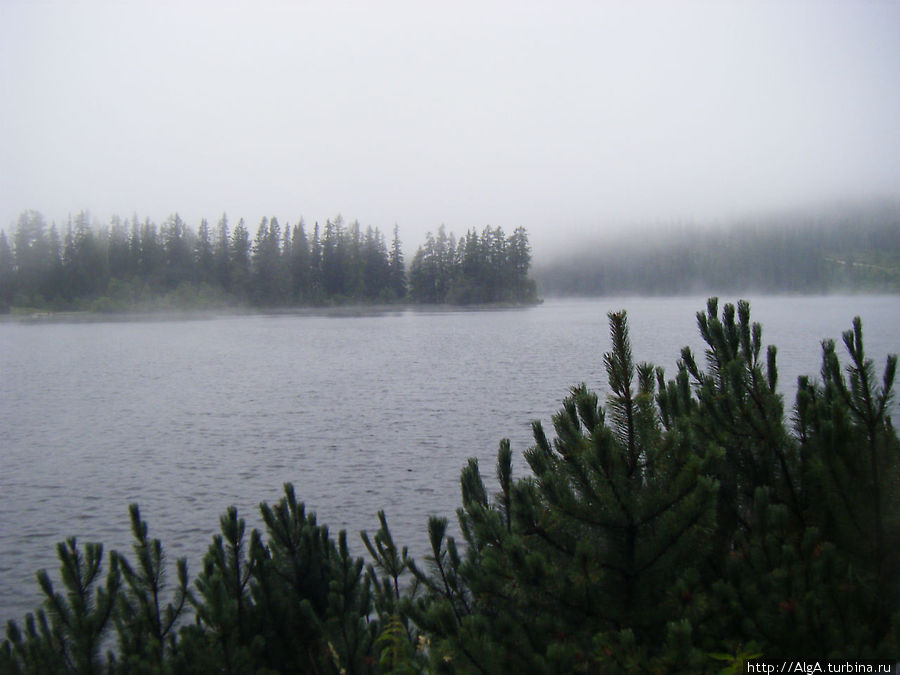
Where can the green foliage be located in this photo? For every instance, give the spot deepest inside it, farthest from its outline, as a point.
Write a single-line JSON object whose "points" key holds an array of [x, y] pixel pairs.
{"points": [[390, 562], [398, 654], [681, 520], [7, 275], [594, 541], [852, 462], [137, 266], [476, 269], [299, 602], [143, 624], [67, 634], [134, 265], [223, 637]]}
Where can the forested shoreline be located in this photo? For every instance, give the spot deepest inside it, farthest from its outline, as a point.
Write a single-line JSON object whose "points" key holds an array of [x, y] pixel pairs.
{"points": [[854, 249], [135, 265], [686, 524]]}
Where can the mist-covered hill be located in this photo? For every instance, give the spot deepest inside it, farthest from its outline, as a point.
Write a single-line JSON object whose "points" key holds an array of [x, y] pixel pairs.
{"points": [[853, 248]]}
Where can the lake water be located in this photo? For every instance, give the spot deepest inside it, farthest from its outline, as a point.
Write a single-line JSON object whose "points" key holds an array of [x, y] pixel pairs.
{"points": [[360, 413]]}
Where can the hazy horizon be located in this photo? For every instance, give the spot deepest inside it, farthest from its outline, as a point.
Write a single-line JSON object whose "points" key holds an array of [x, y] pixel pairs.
{"points": [[571, 120]]}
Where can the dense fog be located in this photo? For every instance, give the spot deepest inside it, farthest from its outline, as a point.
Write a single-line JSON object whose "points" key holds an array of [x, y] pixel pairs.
{"points": [[567, 120]]}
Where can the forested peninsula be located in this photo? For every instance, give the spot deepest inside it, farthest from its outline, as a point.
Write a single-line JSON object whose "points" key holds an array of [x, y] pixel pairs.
{"points": [[135, 265], [676, 525], [855, 248]]}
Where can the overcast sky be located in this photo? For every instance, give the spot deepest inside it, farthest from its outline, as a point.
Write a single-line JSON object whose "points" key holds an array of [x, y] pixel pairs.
{"points": [[564, 117]]}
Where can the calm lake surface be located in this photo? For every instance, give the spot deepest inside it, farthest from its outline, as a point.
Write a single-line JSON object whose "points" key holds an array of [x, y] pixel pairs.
{"points": [[360, 413]]}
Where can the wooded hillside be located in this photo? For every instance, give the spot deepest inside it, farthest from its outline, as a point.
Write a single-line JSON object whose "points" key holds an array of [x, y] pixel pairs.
{"points": [[855, 249]]}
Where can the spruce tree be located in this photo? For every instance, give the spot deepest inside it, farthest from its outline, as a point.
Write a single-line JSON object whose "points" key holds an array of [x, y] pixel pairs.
{"points": [[204, 254], [151, 257], [222, 255], [118, 249], [240, 259], [397, 267], [6, 274], [315, 266], [32, 255], [178, 244], [300, 263]]}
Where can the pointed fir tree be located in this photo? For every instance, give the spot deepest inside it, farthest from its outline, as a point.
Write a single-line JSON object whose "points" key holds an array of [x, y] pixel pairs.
{"points": [[300, 263], [397, 267], [222, 254], [204, 254], [7, 278], [315, 266], [240, 260], [178, 244]]}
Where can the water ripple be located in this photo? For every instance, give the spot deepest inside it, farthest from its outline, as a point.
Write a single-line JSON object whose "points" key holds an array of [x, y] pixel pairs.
{"points": [[359, 413]]}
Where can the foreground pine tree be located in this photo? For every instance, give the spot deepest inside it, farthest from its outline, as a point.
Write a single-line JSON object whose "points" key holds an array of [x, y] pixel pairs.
{"points": [[681, 526], [296, 603], [146, 628], [66, 635], [585, 563], [852, 461], [801, 568], [756, 563]]}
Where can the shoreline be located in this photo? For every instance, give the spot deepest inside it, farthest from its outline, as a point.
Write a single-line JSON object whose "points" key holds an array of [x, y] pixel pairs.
{"points": [[23, 315]]}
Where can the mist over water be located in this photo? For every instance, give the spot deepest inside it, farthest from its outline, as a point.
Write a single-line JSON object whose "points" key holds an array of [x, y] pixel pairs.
{"points": [[187, 417]]}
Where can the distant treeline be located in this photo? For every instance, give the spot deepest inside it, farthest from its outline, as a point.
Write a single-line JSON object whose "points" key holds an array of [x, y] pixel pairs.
{"points": [[135, 264], [857, 249]]}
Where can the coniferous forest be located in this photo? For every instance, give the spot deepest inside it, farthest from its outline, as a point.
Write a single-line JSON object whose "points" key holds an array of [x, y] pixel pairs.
{"points": [[683, 524], [133, 264], [855, 248]]}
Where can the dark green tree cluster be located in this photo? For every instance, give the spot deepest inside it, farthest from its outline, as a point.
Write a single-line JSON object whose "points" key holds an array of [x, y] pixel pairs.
{"points": [[489, 267], [134, 263], [296, 602], [856, 249], [684, 525]]}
